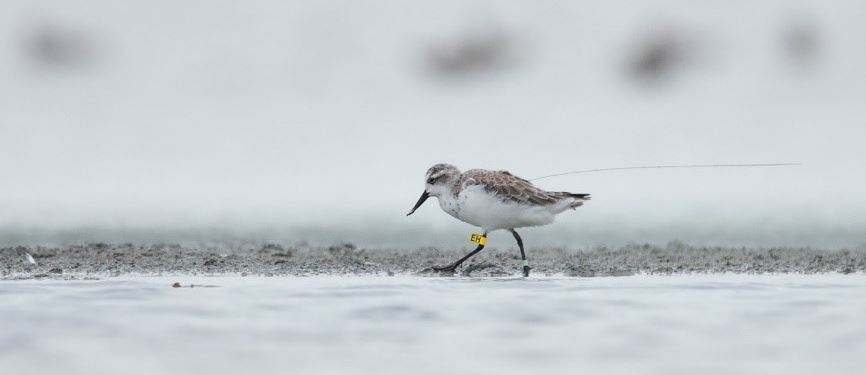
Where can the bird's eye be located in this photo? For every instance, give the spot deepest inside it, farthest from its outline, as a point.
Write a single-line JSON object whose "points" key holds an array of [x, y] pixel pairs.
{"points": [[431, 180]]}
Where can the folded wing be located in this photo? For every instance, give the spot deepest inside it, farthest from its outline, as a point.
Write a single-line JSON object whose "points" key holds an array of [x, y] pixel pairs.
{"points": [[511, 188]]}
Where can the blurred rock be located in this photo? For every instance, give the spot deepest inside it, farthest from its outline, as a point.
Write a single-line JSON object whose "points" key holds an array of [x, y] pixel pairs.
{"points": [[801, 43], [657, 56], [57, 46], [474, 52]]}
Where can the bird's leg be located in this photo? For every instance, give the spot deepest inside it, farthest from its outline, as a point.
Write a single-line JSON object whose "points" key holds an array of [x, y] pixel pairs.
{"points": [[453, 266], [522, 253]]}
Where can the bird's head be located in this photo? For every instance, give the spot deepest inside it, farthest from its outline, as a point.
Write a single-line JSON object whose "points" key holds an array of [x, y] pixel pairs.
{"points": [[438, 181]]}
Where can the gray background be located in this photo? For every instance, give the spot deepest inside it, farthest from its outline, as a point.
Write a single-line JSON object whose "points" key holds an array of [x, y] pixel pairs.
{"points": [[292, 120]]}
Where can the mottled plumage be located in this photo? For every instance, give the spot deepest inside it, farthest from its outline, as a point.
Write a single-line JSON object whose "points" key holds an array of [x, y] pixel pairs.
{"points": [[494, 200], [511, 188]]}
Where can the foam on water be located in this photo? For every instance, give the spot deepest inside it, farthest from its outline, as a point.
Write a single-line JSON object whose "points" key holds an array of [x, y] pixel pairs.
{"points": [[649, 324]]}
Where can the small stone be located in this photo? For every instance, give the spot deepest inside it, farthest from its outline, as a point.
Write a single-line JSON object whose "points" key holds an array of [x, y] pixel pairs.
{"points": [[56, 270], [175, 285]]}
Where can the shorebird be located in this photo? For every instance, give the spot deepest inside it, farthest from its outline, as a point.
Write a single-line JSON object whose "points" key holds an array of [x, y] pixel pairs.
{"points": [[493, 200]]}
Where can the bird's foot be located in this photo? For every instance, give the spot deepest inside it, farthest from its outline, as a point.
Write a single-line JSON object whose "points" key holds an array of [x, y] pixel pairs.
{"points": [[526, 271]]}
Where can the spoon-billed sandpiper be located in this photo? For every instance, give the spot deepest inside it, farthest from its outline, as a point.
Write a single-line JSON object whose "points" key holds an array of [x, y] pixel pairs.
{"points": [[493, 200]]}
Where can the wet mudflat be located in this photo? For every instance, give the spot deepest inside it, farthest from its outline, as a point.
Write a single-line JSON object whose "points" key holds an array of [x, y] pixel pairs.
{"points": [[715, 323], [102, 259]]}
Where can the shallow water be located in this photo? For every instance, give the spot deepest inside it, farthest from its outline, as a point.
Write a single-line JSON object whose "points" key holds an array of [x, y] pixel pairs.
{"points": [[740, 324]]}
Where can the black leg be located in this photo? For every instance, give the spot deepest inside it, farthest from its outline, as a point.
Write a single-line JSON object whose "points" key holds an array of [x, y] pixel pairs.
{"points": [[453, 266], [522, 253]]}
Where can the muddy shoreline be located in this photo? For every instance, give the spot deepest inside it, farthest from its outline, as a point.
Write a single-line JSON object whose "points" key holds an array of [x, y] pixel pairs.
{"points": [[103, 259]]}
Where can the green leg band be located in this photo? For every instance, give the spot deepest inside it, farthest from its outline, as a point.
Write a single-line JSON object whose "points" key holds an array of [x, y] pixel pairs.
{"points": [[525, 263]]}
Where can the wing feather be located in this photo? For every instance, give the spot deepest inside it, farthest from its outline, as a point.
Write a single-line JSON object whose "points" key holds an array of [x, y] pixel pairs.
{"points": [[509, 187]]}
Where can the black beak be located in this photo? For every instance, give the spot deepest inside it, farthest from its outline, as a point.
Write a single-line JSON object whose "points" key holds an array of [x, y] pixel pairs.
{"points": [[421, 200]]}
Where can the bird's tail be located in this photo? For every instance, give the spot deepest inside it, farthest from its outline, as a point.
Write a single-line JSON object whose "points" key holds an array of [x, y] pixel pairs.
{"points": [[578, 198]]}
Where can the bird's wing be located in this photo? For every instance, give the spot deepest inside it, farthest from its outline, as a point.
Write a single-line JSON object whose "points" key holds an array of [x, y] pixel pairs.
{"points": [[507, 187]]}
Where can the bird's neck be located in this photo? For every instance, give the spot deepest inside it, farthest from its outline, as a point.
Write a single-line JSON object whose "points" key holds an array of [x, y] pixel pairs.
{"points": [[448, 203]]}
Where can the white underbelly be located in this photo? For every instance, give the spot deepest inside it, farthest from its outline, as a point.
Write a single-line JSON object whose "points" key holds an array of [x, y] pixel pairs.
{"points": [[477, 207]]}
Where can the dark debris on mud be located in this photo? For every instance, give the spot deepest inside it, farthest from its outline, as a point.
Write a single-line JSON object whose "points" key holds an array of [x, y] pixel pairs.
{"points": [[101, 259]]}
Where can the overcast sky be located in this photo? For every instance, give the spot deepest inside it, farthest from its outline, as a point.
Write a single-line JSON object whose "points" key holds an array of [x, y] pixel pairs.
{"points": [[319, 119]]}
